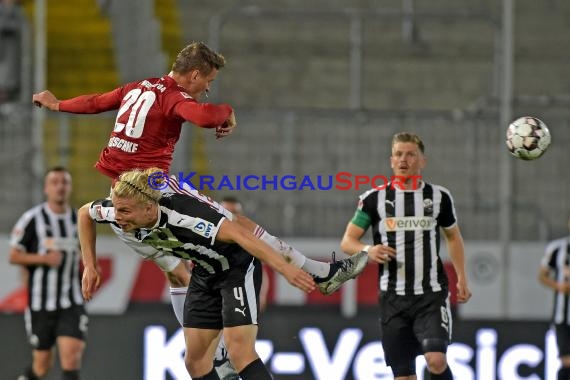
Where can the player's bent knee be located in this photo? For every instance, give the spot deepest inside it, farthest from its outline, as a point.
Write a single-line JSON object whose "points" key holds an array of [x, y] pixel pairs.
{"points": [[241, 353], [70, 352], [72, 360], [192, 366], [436, 362], [42, 363], [240, 347], [40, 370]]}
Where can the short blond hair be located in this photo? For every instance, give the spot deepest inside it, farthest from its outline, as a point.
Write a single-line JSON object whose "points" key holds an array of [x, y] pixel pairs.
{"points": [[135, 184], [404, 137]]}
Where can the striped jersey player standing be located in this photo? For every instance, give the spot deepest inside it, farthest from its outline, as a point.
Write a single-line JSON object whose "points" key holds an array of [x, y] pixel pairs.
{"points": [[406, 221], [45, 242], [554, 273]]}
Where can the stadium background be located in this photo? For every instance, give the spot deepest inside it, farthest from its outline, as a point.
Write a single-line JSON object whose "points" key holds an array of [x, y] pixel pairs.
{"points": [[319, 88]]}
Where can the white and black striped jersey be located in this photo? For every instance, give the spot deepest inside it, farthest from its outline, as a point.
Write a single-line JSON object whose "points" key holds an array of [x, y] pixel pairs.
{"points": [[186, 228], [37, 231], [557, 259], [409, 221]]}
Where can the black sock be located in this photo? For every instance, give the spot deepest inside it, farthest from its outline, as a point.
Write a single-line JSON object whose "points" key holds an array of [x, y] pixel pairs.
{"points": [[255, 370], [29, 374], [70, 375], [445, 375], [564, 373], [212, 375]]}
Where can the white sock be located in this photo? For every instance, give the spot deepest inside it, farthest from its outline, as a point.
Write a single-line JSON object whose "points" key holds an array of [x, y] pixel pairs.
{"points": [[313, 267], [177, 298]]}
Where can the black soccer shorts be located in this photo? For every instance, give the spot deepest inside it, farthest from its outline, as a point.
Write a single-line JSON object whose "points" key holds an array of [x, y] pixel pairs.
{"points": [[563, 339], [223, 300], [407, 321], [43, 327]]}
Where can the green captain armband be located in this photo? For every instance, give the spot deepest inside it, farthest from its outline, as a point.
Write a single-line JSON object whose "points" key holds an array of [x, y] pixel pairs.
{"points": [[361, 219]]}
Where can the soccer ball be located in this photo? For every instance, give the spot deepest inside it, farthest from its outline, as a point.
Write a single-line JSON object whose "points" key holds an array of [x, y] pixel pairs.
{"points": [[527, 138]]}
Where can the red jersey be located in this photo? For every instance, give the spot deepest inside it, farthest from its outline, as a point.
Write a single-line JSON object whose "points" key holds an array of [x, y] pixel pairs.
{"points": [[148, 123]]}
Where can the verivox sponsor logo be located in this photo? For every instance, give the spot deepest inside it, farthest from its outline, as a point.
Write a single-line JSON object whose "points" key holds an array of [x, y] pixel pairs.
{"points": [[338, 181], [409, 223]]}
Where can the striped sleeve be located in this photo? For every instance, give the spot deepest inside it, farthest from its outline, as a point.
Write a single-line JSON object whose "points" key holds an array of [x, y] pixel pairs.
{"points": [[23, 235], [446, 217], [550, 253]]}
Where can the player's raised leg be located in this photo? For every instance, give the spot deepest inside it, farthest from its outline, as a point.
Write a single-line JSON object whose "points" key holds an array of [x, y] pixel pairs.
{"points": [[328, 276]]}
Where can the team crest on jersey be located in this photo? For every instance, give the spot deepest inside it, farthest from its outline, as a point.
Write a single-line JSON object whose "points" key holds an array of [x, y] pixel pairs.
{"points": [[389, 207], [428, 207], [203, 227]]}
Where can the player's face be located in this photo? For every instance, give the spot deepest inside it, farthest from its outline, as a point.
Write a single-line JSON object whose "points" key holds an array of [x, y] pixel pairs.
{"points": [[130, 214], [407, 159], [57, 187], [200, 83]]}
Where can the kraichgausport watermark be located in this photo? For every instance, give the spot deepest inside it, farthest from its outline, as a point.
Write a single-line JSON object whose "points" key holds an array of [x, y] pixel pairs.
{"points": [[338, 181], [159, 180]]}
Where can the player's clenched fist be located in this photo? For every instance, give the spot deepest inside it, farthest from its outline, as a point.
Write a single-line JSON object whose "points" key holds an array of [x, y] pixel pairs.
{"points": [[46, 99], [228, 126]]}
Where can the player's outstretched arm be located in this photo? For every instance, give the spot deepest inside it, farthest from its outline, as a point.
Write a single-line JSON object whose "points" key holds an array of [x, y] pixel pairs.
{"points": [[231, 232], [46, 99], [87, 237], [83, 104]]}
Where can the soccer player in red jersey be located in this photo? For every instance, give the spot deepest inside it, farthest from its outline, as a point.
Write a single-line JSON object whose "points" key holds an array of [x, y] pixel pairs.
{"points": [[151, 112]]}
